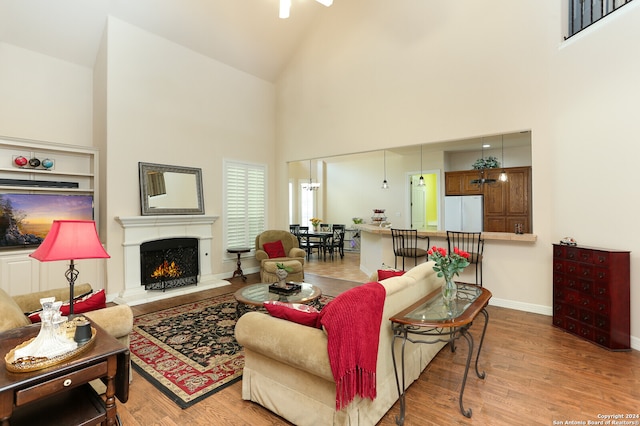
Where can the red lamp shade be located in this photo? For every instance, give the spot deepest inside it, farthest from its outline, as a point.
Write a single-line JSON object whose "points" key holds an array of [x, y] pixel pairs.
{"points": [[71, 240]]}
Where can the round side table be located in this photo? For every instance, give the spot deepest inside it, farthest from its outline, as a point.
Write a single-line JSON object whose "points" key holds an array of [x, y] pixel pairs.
{"points": [[239, 251]]}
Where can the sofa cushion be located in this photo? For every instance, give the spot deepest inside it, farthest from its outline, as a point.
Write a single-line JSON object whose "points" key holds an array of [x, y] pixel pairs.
{"points": [[274, 249], [90, 302], [296, 312], [12, 316], [383, 274]]}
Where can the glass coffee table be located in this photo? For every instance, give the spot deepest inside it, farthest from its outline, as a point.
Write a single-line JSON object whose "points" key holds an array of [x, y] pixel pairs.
{"points": [[438, 321], [256, 294]]}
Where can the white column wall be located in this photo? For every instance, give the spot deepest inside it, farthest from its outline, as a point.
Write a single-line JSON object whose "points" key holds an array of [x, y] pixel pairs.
{"points": [[167, 104]]}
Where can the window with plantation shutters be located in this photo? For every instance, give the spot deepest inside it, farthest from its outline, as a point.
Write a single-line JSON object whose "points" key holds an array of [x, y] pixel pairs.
{"points": [[245, 203]]}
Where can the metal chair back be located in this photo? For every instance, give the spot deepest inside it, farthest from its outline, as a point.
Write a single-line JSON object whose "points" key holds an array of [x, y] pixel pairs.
{"points": [[405, 244], [472, 243]]}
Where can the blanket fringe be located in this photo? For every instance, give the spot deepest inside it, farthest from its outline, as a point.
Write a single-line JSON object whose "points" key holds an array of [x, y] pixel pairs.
{"points": [[355, 382]]}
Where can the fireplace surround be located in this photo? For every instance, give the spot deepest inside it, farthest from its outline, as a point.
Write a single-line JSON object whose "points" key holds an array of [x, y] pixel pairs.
{"points": [[141, 229]]}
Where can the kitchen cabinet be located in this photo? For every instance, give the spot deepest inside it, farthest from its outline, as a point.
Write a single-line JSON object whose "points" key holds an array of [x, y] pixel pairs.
{"points": [[508, 203], [459, 183]]}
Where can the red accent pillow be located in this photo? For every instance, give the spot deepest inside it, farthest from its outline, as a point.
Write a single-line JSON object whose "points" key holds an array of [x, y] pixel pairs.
{"points": [[296, 312], [91, 302], [274, 249], [383, 274]]}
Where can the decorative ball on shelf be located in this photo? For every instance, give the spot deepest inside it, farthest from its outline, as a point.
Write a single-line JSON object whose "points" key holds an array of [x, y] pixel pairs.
{"points": [[47, 163], [20, 161], [34, 162]]}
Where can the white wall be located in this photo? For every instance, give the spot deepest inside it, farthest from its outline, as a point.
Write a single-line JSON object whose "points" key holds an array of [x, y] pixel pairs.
{"points": [[44, 98], [513, 157], [354, 184], [376, 74]]}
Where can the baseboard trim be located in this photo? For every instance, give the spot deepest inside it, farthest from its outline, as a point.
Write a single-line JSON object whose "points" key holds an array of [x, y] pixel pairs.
{"points": [[543, 310], [521, 306]]}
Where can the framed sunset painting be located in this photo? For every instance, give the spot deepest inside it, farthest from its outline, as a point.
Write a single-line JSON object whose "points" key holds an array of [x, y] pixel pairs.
{"points": [[25, 219]]}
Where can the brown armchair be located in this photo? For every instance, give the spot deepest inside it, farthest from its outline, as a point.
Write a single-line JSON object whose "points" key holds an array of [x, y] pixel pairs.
{"points": [[292, 249]]}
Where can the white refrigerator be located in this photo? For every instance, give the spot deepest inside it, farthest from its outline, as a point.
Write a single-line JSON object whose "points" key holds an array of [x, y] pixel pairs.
{"points": [[463, 213]]}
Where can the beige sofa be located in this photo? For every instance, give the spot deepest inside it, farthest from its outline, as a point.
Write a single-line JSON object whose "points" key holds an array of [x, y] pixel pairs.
{"points": [[116, 320], [287, 367]]}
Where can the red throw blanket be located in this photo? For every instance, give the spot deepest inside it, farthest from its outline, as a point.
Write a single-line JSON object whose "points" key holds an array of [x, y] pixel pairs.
{"points": [[352, 322]]}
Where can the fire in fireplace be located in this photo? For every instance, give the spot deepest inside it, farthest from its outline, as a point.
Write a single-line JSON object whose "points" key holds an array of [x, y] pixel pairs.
{"points": [[169, 263]]}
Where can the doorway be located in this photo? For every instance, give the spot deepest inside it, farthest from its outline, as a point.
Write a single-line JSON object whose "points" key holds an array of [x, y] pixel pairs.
{"points": [[425, 200]]}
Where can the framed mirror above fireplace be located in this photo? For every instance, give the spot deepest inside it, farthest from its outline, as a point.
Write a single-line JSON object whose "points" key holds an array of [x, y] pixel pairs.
{"points": [[170, 190]]}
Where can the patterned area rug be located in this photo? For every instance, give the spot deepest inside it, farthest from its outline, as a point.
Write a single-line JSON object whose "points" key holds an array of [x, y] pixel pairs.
{"points": [[189, 352]]}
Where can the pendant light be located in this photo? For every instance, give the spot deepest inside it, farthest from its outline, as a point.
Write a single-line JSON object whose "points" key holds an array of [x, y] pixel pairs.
{"points": [[312, 186], [421, 180], [385, 184], [503, 176]]}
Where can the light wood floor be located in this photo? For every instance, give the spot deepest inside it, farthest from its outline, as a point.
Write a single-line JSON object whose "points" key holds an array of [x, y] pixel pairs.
{"points": [[536, 374]]}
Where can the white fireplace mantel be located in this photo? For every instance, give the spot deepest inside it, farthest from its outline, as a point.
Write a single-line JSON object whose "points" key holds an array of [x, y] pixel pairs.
{"points": [[140, 229]]}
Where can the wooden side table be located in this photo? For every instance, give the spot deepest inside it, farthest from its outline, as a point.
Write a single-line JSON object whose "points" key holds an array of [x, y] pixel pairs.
{"points": [[239, 250], [61, 394]]}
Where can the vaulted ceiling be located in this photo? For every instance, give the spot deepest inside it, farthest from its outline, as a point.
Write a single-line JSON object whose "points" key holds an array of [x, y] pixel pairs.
{"points": [[245, 34]]}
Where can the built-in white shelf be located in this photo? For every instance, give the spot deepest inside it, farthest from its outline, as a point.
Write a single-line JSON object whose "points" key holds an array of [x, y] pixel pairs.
{"points": [[19, 273]]}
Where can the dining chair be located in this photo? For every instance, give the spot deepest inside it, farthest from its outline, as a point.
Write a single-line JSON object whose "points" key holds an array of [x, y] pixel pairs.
{"points": [[472, 243], [405, 244], [336, 242], [308, 243], [295, 230]]}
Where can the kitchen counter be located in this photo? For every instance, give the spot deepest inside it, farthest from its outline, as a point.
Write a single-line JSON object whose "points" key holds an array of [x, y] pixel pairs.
{"points": [[487, 236], [376, 247]]}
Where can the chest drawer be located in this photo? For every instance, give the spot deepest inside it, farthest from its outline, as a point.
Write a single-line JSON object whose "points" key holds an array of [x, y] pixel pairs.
{"points": [[62, 383], [601, 289], [579, 255], [601, 259]]}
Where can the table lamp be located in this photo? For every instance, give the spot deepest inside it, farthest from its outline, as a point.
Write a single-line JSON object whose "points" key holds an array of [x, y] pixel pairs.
{"points": [[71, 240]]}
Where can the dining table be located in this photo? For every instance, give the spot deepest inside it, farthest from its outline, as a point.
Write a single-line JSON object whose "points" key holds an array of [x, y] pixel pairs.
{"points": [[321, 237]]}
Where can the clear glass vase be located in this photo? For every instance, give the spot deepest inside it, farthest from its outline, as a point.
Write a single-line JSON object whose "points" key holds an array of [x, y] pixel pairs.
{"points": [[449, 290]]}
